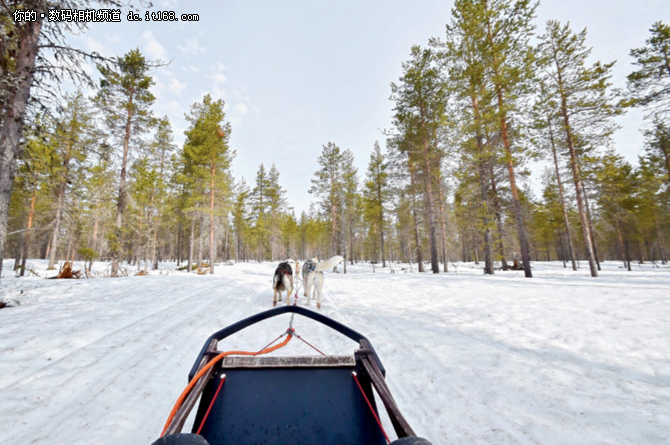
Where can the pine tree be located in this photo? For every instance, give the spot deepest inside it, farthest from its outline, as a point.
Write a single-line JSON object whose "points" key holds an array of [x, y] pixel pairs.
{"points": [[376, 192], [34, 55], [586, 104], [617, 182], [403, 159], [464, 58], [658, 146], [650, 85], [420, 101], [545, 117], [651, 208], [508, 30], [125, 99]]}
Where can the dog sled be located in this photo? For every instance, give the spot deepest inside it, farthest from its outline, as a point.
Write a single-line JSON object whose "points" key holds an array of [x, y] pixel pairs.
{"points": [[252, 398]]}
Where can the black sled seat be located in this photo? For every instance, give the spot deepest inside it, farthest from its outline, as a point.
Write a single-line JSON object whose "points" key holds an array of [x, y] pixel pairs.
{"points": [[289, 400]]}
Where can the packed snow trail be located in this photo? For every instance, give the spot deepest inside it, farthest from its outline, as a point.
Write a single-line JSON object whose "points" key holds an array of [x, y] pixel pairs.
{"points": [[561, 358]]}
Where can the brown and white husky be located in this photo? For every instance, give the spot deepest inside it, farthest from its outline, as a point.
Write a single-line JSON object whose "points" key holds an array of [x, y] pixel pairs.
{"points": [[283, 281]]}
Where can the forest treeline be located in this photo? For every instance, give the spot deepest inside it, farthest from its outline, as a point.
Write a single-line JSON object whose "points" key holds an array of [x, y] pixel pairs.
{"points": [[98, 176]]}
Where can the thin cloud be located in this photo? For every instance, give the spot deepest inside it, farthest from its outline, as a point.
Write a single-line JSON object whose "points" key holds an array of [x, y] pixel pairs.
{"points": [[176, 86], [153, 47], [241, 108], [218, 77], [191, 69], [191, 47]]}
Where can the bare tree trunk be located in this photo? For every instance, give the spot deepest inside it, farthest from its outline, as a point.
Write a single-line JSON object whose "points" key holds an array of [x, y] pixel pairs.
{"points": [[139, 254], [46, 254], [12, 121], [594, 244], [212, 250], [96, 223], [435, 267], [179, 244], [26, 241], [419, 255], [343, 241], [665, 149], [60, 200], [577, 177], [226, 240], [18, 253], [381, 224], [562, 197], [443, 222], [659, 240], [200, 241], [497, 215], [333, 215], [121, 203], [54, 236], [516, 204], [488, 251], [190, 246], [351, 241], [559, 243]]}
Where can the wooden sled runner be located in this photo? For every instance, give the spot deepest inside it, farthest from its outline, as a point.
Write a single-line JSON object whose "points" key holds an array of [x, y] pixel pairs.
{"points": [[257, 399]]}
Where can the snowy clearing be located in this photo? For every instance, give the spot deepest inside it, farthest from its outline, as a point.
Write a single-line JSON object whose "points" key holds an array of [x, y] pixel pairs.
{"points": [[560, 358]]}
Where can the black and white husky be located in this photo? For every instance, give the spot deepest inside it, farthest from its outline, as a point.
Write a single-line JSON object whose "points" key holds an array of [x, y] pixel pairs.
{"points": [[312, 275], [283, 280]]}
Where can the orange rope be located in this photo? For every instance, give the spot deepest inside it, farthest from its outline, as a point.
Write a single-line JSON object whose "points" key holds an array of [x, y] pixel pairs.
{"points": [[205, 368]]}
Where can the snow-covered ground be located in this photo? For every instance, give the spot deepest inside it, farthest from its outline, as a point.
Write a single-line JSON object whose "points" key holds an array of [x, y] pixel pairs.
{"points": [[558, 359]]}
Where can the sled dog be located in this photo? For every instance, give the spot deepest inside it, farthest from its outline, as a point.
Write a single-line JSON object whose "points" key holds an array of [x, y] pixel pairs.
{"points": [[312, 274], [283, 281]]}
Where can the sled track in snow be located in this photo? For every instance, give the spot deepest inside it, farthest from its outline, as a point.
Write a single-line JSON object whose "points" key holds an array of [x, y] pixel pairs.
{"points": [[79, 389]]}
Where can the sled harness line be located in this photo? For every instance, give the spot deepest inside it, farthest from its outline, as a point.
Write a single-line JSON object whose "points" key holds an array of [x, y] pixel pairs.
{"points": [[309, 344], [216, 394], [372, 410], [290, 328], [211, 363]]}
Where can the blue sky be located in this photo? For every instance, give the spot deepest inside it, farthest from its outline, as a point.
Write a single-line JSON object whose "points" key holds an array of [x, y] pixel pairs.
{"points": [[298, 74]]}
